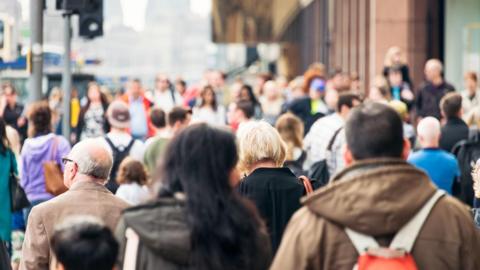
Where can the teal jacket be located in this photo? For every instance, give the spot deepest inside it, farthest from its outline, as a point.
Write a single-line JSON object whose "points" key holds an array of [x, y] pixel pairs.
{"points": [[7, 160]]}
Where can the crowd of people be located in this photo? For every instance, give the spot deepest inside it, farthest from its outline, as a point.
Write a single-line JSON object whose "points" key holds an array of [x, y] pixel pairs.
{"points": [[315, 173]]}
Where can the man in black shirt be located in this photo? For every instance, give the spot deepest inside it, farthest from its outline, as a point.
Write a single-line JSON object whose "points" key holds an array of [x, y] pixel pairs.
{"points": [[432, 90], [455, 129]]}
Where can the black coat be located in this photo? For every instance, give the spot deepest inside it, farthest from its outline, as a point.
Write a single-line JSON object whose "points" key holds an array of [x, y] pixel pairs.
{"points": [[276, 192], [302, 108], [428, 98], [453, 131]]}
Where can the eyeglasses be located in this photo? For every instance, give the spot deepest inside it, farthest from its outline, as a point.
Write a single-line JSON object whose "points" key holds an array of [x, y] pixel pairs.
{"points": [[65, 160]]}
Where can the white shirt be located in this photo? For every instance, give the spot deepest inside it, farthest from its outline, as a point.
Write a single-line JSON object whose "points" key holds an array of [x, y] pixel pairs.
{"points": [[320, 134], [133, 193], [164, 100], [209, 116], [123, 139]]}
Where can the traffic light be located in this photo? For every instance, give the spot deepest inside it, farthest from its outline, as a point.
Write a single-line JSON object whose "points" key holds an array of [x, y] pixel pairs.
{"points": [[91, 19]]}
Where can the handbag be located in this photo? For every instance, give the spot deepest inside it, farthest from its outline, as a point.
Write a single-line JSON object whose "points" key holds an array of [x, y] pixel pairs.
{"points": [[18, 198], [53, 174], [306, 184]]}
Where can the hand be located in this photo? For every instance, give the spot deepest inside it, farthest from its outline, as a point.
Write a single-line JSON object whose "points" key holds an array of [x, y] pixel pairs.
{"points": [[21, 121], [407, 94]]}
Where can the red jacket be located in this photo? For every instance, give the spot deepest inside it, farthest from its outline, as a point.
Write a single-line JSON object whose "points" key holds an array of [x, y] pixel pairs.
{"points": [[147, 104]]}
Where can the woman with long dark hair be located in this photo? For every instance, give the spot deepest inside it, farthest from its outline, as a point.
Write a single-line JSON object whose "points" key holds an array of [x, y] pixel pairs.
{"points": [[246, 93], [92, 122], [198, 220], [209, 110]]}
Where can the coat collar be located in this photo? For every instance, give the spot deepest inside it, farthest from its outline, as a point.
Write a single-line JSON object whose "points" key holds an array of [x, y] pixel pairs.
{"points": [[88, 185]]}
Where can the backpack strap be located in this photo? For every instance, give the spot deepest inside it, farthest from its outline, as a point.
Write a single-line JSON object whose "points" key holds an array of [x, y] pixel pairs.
{"points": [[306, 183], [130, 145], [332, 140], [405, 238]]}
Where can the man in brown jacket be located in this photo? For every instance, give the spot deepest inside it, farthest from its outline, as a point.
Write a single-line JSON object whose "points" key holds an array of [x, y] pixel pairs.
{"points": [[87, 168], [376, 195]]}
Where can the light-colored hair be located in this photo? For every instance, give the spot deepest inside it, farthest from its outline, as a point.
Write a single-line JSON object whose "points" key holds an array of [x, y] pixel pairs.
{"points": [[290, 128], [259, 141], [434, 64], [93, 158], [389, 56], [429, 129]]}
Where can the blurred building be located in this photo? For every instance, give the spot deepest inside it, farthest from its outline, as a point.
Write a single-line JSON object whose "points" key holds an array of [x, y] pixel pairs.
{"points": [[354, 35]]}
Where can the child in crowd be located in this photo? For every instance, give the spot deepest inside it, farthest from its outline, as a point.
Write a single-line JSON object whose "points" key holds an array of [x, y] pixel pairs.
{"points": [[132, 178]]}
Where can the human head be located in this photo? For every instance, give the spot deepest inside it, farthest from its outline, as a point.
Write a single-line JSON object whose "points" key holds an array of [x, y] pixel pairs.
{"points": [[10, 93], [291, 129], [84, 243], [400, 107], [88, 160], [271, 90], [208, 97], [258, 142], [246, 93], [433, 70], [379, 92], [178, 118], [93, 93], [195, 165], [317, 88], [161, 82], [395, 76], [131, 171], [374, 130], [40, 119], [180, 86], [393, 56], [471, 81], [244, 110], [451, 105], [347, 101], [118, 115], [158, 118], [135, 88], [428, 132]]}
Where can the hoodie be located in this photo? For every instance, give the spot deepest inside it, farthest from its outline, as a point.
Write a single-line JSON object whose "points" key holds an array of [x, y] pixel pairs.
{"points": [[377, 197], [35, 152]]}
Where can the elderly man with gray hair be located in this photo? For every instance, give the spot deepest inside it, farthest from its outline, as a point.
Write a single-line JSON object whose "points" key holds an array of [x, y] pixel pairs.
{"points": [[87, 168], [440, 165]]}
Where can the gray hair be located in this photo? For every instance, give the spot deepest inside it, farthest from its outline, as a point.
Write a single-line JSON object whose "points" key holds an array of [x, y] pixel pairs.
{"points": [[92, 158]]}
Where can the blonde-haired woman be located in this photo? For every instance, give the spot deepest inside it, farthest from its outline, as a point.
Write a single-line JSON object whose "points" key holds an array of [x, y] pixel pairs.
{"points": [[394, 58], [275, 190], [290, 129]]}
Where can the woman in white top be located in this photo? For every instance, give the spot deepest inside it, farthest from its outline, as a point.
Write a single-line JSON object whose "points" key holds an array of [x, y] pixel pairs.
{"points": [[209, 111], [132, 178]]}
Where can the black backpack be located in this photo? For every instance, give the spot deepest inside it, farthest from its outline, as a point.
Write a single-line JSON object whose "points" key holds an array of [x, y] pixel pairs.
{"points": [[119, 154], [318, 173], [467, 153]]}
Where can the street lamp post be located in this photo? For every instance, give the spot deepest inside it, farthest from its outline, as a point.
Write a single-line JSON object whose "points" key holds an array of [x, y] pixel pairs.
{"points": [[67, 74]]}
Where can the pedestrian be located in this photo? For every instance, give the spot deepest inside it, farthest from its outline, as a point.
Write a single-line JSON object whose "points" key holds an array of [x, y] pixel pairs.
{"points": [[178, 119], [209, 111], [247, 94], [324, 129], [440, 165], [271, 101], [87, 168], [471, 100], [239, 113], [432, 90], [198, 220], [274, 189], [399, 89], [131, 178], [41, 146], [394, 58], [376, 195], [84, 243], [408, 130], [121, 143], [454, 129], [92, 121], [158, 119], [290, 129], [165, 96], [139, 107], [12, 111], [8, 164]]}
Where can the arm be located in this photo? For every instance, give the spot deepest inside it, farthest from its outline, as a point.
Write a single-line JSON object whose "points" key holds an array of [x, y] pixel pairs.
{"points": [[36, 250]]}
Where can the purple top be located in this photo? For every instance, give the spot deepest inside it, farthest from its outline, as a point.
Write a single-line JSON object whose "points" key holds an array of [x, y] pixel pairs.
{"points": [[35, 152]]}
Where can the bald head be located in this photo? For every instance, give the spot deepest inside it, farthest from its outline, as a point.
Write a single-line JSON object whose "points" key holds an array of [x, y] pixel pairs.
{"points": [[433, 69], [429, 132], [93, 158]]}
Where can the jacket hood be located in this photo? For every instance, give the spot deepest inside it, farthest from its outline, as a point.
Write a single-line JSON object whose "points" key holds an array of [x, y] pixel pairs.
{"points": [[162, 227], [375, 197]]}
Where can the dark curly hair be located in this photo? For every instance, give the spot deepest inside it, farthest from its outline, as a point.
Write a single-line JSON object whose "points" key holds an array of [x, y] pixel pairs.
{"points": [[40, 119]]}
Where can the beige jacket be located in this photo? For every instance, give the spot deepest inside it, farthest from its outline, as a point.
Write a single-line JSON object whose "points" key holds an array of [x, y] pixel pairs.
{"points": [[83, 198], [377, 198]]}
